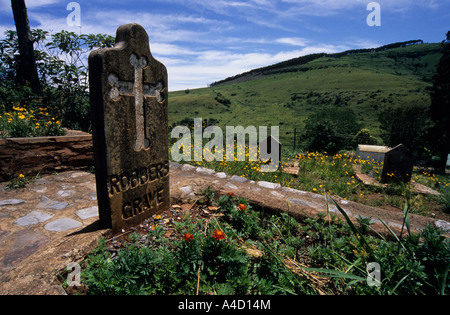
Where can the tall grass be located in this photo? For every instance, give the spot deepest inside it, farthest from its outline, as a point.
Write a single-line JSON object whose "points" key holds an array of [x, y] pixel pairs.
{"points": [[416, 264]]}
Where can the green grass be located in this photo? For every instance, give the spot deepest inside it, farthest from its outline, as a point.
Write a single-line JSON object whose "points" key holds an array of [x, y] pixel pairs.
{"points": [[365, 82]]}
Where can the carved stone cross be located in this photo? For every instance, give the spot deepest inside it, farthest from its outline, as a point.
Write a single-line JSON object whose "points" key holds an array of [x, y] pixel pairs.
{"points": [[129, 96], [138, 90]]}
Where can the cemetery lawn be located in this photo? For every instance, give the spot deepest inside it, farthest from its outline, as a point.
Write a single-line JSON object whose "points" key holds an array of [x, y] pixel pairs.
{"points": [[220, 245]]}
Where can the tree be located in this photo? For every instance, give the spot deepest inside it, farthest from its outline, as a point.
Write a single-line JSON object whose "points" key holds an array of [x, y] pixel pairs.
{"points": [[364, 137], [406, 125], [439, 133], [330, 129], [27, 70]]}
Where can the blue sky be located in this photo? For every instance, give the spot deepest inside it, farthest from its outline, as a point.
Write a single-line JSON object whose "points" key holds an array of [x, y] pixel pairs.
{"points": [[202, 41]]}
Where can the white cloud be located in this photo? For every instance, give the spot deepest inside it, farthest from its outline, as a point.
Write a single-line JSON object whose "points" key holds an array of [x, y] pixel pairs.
{"points": [[5, 5], [214, 65], [333, 7], [293, 41]]}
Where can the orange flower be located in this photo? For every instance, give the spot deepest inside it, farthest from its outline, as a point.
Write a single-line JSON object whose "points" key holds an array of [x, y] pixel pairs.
{"points": [[188, 237], [218, 235], [231, 194], [242, 207]]}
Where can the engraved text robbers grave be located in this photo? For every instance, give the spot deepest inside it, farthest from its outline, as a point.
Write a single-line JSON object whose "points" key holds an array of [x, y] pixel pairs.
{"points": [[129, 94]]}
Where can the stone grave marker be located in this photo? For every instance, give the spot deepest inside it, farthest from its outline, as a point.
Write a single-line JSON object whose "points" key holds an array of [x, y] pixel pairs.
{"points": [[128, 90], [398, 164]]}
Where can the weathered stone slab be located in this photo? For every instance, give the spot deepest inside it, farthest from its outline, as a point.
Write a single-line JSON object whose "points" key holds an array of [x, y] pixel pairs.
{"points": [[47, 203], [129, 95], [11, 202], [221, 175], [238, 179], [269, 185], [87, 213], [204, 171], [66, 193], [34, 217], [63, 224]]}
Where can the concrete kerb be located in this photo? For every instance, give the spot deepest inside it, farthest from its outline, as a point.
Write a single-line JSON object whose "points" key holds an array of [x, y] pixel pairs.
{"points": [[299, 204]]}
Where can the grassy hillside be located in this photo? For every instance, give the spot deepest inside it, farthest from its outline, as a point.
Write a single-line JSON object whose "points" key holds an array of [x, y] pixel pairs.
{"points": [[285, 94]]}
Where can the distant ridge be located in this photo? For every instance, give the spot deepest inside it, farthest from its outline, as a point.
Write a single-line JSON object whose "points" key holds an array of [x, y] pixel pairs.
{"points": [[287, 66]]}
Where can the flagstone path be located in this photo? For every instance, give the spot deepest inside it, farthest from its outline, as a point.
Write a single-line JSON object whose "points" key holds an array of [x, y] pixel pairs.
{"points": [[53, 221]]}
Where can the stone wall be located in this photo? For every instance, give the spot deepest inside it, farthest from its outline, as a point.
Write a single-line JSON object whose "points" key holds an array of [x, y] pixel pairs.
{"points": [[45, 155]]}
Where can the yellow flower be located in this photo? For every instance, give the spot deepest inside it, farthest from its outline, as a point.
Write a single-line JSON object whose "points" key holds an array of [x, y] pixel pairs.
{"points": [[21, 116], [21, 176]]}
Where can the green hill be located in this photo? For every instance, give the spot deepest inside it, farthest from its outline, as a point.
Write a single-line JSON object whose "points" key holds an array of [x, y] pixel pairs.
{"points": [[284, 94]]}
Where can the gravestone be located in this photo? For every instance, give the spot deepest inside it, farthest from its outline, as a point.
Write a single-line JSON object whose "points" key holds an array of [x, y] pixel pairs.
{"points": [[129, 94], [398, 165]]}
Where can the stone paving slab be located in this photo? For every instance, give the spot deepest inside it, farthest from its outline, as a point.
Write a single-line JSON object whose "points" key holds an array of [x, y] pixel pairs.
{"points": [[38, 231], [54, 220]]}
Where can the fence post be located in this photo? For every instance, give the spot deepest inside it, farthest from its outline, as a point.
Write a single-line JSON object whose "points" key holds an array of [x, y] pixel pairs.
{"points": [[295, 137]]}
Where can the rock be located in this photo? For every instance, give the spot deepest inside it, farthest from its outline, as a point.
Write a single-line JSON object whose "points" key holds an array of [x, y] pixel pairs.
{"points": [[269, 185], [221, 175], [204, 171], [62, 224], [87, 213], [443, 225], [47, 203], [187, 168], [230, 185], [11, 202], [238, 179], [307, 203], [294, 191], [186, 189], [34, 217], [277, 194], [66, 193]]}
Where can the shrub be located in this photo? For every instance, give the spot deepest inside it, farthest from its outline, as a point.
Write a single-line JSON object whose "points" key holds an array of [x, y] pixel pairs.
{"points": [[330, 129], [62, 72]]}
